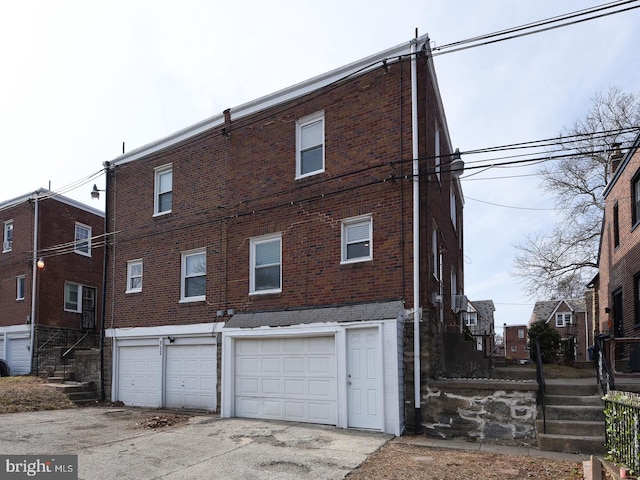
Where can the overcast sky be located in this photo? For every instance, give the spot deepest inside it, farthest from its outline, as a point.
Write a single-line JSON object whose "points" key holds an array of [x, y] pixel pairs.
{"points": [[78, 78]]}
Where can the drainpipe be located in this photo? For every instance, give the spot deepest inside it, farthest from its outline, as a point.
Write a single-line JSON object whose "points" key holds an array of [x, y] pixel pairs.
{"points": [[416, 237], [34, 272], [105, 260]]}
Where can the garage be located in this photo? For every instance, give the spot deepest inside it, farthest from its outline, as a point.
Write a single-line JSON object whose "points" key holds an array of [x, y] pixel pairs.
{"points": [[168, 371], [139, 376], [286, 379], [18, 355], [191, 377]]}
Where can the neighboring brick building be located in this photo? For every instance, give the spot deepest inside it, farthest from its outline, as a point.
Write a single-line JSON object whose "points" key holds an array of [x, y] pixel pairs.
{"points": [[480, 322], [64, 302], [516, 343], [574, 323], [283, 231], [618, 278]]}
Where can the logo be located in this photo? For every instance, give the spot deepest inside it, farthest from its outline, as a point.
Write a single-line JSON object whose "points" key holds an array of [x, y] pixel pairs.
{"points": [[44, 467]]}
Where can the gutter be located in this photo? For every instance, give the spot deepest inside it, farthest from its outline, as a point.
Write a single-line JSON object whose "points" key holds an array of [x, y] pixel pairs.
{"points": [[34, 273]]}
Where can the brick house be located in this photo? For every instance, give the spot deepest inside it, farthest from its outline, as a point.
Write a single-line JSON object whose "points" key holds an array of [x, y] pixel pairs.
{"points": [[573, 322], [63, 303], [516, 343], [275, 260], [480, 322]]}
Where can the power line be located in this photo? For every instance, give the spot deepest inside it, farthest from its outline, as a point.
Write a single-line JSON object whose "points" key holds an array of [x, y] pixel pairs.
{"points": [[510, 206]]}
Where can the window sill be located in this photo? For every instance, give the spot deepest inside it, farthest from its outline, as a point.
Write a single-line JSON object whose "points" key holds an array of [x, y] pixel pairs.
{"points": [[309, 175], [161, 214], [266, 292], [357, 261], [84, 254], [193, 300], [132, 291]]}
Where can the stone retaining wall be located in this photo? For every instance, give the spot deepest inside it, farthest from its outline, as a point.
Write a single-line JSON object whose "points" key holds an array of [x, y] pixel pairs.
{"points": [[483, 410]]}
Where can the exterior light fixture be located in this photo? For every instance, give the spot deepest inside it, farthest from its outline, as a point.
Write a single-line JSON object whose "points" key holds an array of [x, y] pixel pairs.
{"points": [[95, 193], [456, 167], [40, 264]]}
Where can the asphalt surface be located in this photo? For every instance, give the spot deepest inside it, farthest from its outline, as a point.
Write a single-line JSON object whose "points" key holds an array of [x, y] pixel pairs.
{"points": [[111, 443]]}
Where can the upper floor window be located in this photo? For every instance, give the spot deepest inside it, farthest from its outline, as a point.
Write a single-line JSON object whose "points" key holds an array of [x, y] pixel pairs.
{"points": [[7, 243], [20, 284], [521, 333], [266, 264], [471, 319], [437, 151], [310, 145], [635, 197], [83, 239], [134, 276], [194, 276], [563, 319], [454, 211], [434, 252], [357, 235], [616, 226], [163, 190]]}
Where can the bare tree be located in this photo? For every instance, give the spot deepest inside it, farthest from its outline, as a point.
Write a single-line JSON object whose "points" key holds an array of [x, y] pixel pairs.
{"points": [[560, 262]]}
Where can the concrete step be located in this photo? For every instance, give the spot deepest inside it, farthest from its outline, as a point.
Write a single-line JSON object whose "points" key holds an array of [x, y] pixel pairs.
{"points": [[571, 443], [575, 388], [574, 412], [592, 400], [77, 392], [579, 428], [514, 373]]}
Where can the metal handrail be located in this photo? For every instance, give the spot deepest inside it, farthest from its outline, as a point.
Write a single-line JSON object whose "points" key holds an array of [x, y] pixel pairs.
{"points": [[72, 347], [605, 375], [541, 385]]}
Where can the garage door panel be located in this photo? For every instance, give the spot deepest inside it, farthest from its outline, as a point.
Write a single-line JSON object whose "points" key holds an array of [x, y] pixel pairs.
{"points": [[139, 376], [191, 376], [279, 378], [19, 356]]}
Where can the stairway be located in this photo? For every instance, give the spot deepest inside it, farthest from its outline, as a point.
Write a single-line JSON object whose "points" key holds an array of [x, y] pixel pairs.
{"points": [[78, 392], [574, 417]]}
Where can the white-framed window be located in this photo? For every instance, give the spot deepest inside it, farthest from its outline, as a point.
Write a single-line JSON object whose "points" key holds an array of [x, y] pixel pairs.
{"points": [[514, 348], [357, 239], [20, 287], [454, 211], [521, 333], [7, 238], [563, 319], [83, 239], [265, 257], [163, 190], [310, 145], [134, 276], [471, 319], [72, 296], [193, 276], [434, 252]]}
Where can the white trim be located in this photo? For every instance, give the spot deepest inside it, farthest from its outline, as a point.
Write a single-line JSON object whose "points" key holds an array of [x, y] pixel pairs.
{"points": [[131, 263], [7, 245], [348, 222], [24, 287], [77, 243], [157, 172], [78, 299], [162, 330], [44, 194], [183, 275]]}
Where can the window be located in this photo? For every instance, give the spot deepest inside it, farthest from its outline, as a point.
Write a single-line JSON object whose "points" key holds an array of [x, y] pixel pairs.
{"points": [[514, 348], [636, 199], [7, 243], [454, 212], [20, 287], [616, 226], [134, 276], [310, 145], [83, 239], [266, 264], [163, 190], [434, 251], [471, 319], [72, 294], [194, 276], [636, 286], [563, 319], [357, 239], [521, 333]]}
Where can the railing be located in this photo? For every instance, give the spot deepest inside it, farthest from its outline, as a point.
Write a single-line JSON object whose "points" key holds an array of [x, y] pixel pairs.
{"points": [[541, 385], [605, 375], [49, 353], [622, 432]]}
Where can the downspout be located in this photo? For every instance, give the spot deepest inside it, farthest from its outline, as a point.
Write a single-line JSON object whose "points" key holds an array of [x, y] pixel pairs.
{"points": [[416, 239], [107, 188], [34, 272]]}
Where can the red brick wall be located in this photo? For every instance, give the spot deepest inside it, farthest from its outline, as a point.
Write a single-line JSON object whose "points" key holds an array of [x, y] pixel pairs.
{"points": [[228, 190], [512, 339]]}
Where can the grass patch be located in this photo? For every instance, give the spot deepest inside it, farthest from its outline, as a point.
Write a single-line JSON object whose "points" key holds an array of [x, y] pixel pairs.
{"points": [[30, 394], [562, 371]]}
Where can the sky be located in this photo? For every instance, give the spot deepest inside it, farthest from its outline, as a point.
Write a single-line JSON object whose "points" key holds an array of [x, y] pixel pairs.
{"points": [[79, 78]]}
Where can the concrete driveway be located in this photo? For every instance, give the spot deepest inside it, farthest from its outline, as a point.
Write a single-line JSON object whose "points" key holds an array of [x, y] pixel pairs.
{"points": [[110, 444]]}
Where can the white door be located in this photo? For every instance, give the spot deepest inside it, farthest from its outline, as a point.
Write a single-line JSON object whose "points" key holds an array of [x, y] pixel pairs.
{"points": [[286, 379], [191, 377], [363, 379], [139, 369], [19, 356]]}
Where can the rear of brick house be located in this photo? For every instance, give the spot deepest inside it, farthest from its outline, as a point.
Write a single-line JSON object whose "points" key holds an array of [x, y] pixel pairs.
{"points": [[62, 306], [263, 261]]}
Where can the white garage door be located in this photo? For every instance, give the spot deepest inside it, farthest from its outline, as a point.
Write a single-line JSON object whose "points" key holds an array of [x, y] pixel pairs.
{"points": [[18, 356], [191, 377], [286, 379], [139, 369]]}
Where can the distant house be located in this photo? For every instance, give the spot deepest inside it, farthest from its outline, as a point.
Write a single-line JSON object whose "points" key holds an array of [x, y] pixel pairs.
{"points": [[50, 279], [283, 259], [516, 343], [571, 319], [479, 320]]}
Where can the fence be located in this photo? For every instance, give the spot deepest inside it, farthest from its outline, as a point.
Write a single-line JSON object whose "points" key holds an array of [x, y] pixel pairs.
{"points": [[622, 432]]}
